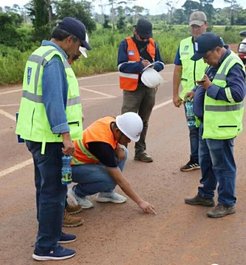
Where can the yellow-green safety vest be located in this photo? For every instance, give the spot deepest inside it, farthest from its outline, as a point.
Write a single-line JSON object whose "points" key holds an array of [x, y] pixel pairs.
{"points": [[191, 70], [223, 120], [32, 122]]}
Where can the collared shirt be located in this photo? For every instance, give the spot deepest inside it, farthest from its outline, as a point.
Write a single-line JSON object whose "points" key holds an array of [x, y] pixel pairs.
{"points": [[55, 89], [235, 79]]}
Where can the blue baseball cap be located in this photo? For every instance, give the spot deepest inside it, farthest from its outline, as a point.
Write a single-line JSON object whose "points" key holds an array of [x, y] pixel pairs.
{"points": [[206, 42], [76, 28]]}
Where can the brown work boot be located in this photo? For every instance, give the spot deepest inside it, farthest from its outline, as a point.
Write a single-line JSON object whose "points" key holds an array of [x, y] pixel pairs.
{"points": [[198, 200], [143, 157], [73, 209], [71, 221], [221, 210]]}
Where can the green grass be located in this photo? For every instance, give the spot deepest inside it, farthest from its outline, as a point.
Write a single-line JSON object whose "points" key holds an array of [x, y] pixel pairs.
{"points": [[103, 57]]}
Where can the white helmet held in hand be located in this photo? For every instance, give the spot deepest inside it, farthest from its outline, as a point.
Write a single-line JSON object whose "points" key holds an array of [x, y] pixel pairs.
{"points": [[130, 124], [151, 78]]}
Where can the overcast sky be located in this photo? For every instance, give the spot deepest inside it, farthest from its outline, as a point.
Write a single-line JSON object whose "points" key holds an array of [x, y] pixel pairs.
{"points": [[154, 6]]}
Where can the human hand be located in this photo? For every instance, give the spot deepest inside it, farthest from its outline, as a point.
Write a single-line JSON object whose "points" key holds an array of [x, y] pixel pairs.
{"points": [[177, 101], [189, 95], [204, 82], [145, 62], [68, 148], [147, 207], [120, 152]]}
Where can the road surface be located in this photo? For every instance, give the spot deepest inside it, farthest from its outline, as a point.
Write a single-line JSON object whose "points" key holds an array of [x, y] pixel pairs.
{"points": [[121, 234]]}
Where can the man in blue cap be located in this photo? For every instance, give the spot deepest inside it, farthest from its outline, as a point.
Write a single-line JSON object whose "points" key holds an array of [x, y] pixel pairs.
{"points": [[50, 118], [218, 104]]}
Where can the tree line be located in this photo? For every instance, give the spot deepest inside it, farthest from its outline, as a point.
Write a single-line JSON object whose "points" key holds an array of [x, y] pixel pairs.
{"points": [[40, 16]]}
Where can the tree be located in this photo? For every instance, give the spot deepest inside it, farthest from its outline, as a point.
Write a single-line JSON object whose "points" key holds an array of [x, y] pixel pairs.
{"points": [[233, 4], [80, 10], [41, 16], [190, 6]]}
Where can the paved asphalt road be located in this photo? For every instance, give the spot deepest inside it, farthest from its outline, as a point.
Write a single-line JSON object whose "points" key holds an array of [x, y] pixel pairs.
{"points": [[121, 234]]}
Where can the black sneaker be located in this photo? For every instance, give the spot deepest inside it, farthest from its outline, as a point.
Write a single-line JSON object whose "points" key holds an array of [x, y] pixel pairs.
{"points": [[221, 210], [190, 166], [198, 200], [58, 253]]}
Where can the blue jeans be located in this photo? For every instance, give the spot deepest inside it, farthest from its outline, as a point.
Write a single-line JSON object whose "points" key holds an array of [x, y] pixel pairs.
{"points": [[50, 193], [194, 142], [217, 166], [94, 178]]}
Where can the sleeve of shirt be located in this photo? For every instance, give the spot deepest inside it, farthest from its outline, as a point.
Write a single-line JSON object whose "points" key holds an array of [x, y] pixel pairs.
{"points": [[177, 60], [123, 64], [159, 64], [54, 97], [235, 81], [104, 153]]}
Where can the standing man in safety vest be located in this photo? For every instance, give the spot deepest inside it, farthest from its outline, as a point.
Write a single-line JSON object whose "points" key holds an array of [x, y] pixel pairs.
{"points": [[99, 160], [218, 104], [186, 72], [135, 53], [50, 117]]}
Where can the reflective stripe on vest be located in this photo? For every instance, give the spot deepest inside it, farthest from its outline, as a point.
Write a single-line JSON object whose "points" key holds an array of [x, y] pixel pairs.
{"points": [[191, 70], [222, 119], [98, 131], [129, 81]]}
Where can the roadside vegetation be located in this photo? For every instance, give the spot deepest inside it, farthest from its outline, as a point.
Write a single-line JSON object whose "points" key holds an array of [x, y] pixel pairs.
{"points": [[22, 32]]}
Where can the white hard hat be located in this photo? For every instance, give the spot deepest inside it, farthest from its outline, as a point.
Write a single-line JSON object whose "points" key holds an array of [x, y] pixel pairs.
{"points": [[83, 49], [151, 78], [130, 124]]}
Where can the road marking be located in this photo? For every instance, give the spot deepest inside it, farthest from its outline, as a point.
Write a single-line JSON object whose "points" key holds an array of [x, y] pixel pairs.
{"points": [[97, 92], [102, 85], [10, 91], [162, 104], [9, 105], [7, 115], [15, 167]]}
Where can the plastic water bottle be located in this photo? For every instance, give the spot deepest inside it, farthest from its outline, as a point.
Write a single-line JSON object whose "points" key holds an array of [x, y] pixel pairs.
{"points": [[66, 170], [191, 120]]}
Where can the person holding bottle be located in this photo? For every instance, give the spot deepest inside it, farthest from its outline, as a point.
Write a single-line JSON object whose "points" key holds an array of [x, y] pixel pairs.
{"points": [[218, 104], [186, 72], [50, 118]]}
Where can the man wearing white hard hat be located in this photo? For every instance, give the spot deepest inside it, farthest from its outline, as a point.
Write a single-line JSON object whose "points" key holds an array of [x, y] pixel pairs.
{"points": [[135, 55], [50, 118], [99, 160]]}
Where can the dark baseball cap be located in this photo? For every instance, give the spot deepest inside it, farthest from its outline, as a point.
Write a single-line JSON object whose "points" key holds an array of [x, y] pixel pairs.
{"points": [[76, 28], [206, 42], [144, 28]]}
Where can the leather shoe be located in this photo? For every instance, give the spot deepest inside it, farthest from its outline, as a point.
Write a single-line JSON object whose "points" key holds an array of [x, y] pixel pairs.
{"points": [[198, 200], [143, 157], [221, 211]]}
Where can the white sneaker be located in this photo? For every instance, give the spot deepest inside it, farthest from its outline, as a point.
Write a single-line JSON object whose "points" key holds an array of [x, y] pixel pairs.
{"points": [[76, 200], [110, 197]]}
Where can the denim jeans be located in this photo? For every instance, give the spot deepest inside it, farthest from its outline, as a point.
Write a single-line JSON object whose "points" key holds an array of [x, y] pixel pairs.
{"points": [[94, 178], [217, 166], [194, 141], [50, 193], [141, 101]]}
